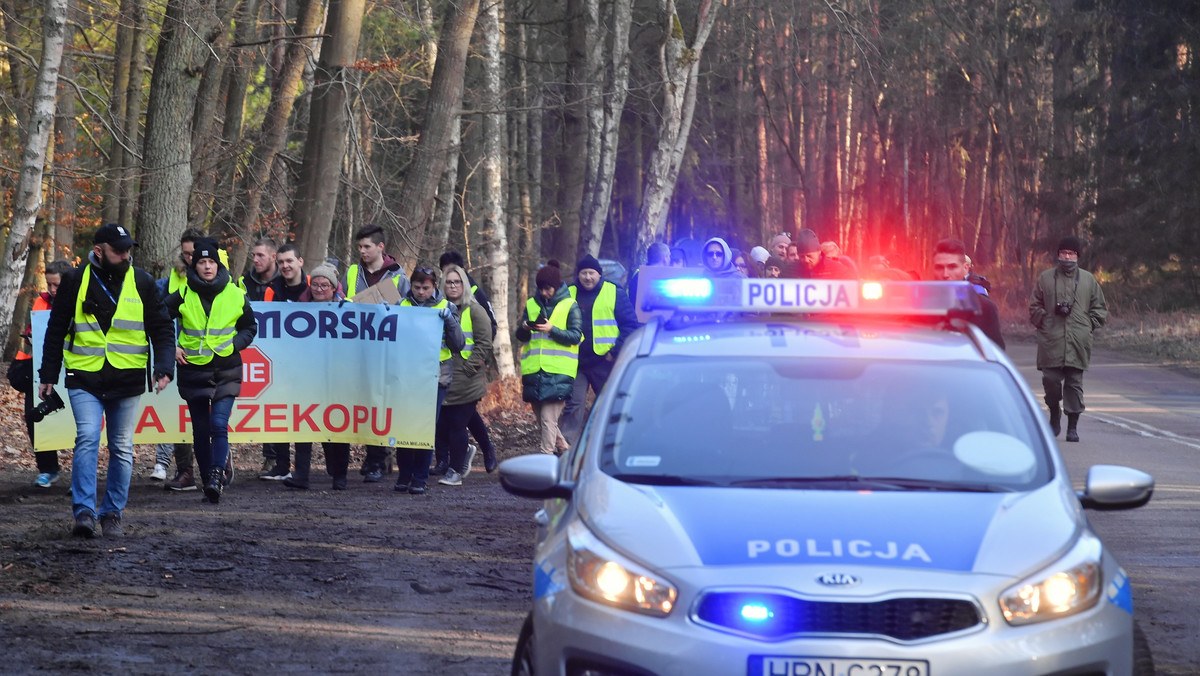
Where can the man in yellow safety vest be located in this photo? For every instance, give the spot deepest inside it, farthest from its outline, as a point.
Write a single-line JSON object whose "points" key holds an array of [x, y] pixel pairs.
{"points": [[107, 319]]}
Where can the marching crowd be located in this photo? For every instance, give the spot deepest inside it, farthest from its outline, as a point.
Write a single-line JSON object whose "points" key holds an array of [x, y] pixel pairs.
{"points": [[118, 331]]}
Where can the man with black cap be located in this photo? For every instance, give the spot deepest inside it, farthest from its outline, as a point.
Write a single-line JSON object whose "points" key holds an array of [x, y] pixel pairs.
{"points": [[608, 319], [107, 319], [1066, 306], [814, 264]]}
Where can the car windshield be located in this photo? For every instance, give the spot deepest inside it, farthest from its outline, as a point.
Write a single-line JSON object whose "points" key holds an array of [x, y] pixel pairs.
{"points": [[823, 424]]}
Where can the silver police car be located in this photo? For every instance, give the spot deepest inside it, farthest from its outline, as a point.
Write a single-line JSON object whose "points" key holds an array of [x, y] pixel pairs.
{"points": [[866, 488]]}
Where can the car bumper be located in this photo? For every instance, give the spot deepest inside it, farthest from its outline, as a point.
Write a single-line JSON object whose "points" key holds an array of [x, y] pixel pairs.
{"points": [[575, 634]]}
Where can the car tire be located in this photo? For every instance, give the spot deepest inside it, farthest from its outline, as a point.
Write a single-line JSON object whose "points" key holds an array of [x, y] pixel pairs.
{"points": [[1143, 661], [523, 656]]}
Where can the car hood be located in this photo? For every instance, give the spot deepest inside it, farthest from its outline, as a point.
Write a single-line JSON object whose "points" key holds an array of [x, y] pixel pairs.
{"points": [[1008, 534]]}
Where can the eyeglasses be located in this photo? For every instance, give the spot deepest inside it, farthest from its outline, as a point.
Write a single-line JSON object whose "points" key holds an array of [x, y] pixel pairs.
{"points": [[453, 282], [321, 287], [714, 254]]}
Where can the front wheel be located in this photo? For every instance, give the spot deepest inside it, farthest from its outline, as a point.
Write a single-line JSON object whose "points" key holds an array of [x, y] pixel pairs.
{"points": [[1143, 661], [523, 656]]}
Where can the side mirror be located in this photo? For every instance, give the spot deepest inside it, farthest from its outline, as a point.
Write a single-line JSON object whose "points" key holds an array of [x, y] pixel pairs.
{"points": [[534, 476], [1116, 487]]}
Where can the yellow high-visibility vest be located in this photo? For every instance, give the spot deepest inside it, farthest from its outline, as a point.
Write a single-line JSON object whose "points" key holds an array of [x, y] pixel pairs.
{"points": [[604, 318], [543, 353], [125, 346], [468, 332], [445, 353], [203, 335], [352, 280]]}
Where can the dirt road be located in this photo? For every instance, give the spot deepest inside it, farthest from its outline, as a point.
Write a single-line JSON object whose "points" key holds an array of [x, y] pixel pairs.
{"points": [[359, 581]]}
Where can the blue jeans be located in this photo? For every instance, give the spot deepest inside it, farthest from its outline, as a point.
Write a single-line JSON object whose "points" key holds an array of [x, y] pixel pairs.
{"points": [[210, 432], [90, 414]]}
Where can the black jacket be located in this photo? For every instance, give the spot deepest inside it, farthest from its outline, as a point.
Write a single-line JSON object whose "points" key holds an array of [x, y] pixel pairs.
{"points": [[109, 382], [221, 377]]}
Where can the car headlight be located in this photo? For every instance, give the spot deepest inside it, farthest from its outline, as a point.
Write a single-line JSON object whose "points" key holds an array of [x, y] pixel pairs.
{"points": [[1069, 586], [601, 574]]}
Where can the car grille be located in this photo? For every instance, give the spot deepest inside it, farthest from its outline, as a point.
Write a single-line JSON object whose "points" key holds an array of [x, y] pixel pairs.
{"points": [[777, 616]]}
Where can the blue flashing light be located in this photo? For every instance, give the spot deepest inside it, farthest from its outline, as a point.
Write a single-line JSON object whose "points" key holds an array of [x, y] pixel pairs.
{"points": [[691, 339], [756, 612], [680, 288]]}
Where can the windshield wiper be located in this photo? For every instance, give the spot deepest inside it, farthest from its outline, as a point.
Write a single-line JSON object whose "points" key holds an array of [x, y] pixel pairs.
{"points": [[880, 483], [836, 482], [665, 480]]}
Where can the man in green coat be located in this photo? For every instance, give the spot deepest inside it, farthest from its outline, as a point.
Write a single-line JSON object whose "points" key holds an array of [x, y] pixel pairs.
{"points": [[1066, 306]]}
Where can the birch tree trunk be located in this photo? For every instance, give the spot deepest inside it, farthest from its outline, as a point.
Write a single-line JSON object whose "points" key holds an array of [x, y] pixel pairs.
{"points": [[604, 134], [167, 160], [679, 66], [495, 226], [111, 209], [28, 199], [127, 183], [325, 146], [443, 107]]}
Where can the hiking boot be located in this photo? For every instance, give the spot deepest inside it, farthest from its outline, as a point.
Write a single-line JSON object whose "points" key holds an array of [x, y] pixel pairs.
{"points": [[184, 481], [213, 484], [85, 526], [472, 449], [291, 482], [159, 473], [416, 489], [339, 483], [1056, 420], [401, 487], [452, 478], [1072, 424], [45, 479], [111, 524]]}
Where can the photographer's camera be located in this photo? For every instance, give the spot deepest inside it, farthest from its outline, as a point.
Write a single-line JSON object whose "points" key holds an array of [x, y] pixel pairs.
{"points": [[1063, 308], [49, 405]]}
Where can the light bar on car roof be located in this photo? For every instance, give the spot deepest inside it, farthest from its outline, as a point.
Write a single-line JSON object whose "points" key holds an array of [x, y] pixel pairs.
{"points": [[692, 294]]}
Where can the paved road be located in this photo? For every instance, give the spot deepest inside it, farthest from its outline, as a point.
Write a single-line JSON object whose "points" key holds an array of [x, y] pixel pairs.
{"points": [[1145, 416]]}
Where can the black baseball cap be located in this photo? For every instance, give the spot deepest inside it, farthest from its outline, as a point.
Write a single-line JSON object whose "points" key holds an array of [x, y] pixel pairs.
{"points": [[114, 235]]}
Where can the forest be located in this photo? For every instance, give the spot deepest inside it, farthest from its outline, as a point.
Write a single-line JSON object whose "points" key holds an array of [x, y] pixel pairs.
{"points": [[517, 131]]}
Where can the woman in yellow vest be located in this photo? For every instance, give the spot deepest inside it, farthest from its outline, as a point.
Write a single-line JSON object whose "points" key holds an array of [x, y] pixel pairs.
{"points": [[469, 384], [412, 464], [553, 330], [215, 325]]}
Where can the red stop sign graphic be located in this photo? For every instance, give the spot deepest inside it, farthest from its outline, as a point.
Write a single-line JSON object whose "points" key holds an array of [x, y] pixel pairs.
{"points": [[256, 372]]}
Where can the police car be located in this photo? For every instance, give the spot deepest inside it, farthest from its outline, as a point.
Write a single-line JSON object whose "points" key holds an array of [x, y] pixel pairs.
{"points": [[803, 477]]}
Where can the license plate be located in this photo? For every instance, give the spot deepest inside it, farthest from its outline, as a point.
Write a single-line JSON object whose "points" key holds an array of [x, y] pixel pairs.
{"points": [[787, 665]]}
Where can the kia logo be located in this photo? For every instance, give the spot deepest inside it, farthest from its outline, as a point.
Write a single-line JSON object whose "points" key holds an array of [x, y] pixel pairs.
{"points": [[838, 580]]}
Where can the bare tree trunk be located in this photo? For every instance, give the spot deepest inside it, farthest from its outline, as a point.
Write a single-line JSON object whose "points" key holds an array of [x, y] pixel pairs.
{"points": [[248, 204], [127, 182], [162, 209], [438, 233], [59, 232], [240, 63], [679, 66], [495, 228], [28, 198], [444, 105], [604, 131], [325, 145], [111, 209]]}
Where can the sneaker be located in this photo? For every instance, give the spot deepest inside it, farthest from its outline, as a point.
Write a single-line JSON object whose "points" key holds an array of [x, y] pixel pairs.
{"points": [[45, 479], [184, 481], [159, 473], [439, 469], [374, 476], [472, 449], [401, 487], [452, 478], [275, 474], [489, 461], [339, 483], [416, 489], [85, 526], [111, 523], [293, 483], [268, 465]]}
